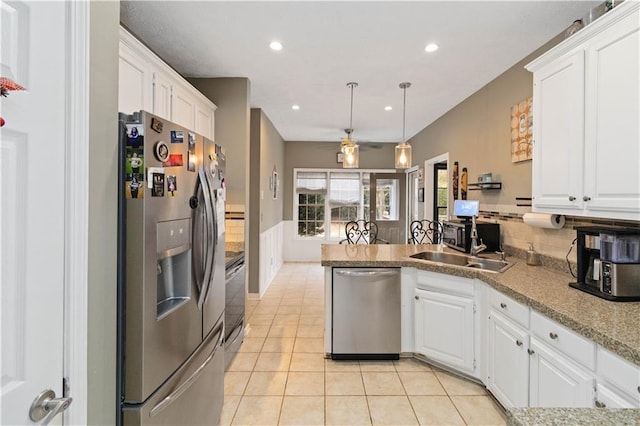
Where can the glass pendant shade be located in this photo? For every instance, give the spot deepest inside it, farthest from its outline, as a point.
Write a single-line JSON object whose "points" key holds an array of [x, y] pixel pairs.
{"points": [[403, 156], [351, 156]]}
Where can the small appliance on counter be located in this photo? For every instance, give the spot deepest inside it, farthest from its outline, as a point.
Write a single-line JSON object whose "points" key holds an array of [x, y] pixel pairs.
{"points": [[609, 262], [457, 235]]}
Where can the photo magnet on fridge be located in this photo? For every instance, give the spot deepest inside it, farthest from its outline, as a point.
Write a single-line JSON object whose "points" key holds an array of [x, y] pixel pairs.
{"points": [[191, 165], [157, 188], [177, 136], [135, 136], [135, 188], [134, 163], [172, 185]]}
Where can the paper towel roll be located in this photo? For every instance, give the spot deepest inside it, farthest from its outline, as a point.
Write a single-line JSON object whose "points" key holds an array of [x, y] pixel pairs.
{"points": [[544, 220]]}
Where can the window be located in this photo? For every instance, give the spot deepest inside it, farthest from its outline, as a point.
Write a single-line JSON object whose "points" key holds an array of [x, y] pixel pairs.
{"points": [[344, 200], [343, 194], [311, 188]]}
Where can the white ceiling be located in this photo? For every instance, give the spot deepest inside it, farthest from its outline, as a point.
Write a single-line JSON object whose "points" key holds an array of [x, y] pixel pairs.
{"points": [[327, 44]]}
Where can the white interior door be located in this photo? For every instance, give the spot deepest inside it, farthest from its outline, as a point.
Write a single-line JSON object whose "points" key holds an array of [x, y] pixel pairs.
{"points": [[32, 160]]}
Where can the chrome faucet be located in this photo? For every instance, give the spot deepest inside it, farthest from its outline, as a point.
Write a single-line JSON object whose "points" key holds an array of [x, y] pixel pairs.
{"points": [[475, 248]]}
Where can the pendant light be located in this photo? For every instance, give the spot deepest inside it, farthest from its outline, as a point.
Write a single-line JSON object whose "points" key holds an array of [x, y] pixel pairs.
{"points": [[403, 149], [349, 148]]}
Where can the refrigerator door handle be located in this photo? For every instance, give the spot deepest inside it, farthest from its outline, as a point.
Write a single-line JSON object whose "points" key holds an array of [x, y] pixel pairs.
{"points": [[212, 242], [206, 195], [184, 386]]}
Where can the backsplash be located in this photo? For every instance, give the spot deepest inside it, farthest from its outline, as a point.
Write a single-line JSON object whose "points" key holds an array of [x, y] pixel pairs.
{"points": [[234, 223], [549, 242]]}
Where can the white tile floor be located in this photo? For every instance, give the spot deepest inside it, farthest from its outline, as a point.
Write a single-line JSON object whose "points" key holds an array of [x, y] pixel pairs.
{"points": [[280, 376]]}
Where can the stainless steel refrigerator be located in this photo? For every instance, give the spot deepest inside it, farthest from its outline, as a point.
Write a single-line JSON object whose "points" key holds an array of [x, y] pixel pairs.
{"points": [[171, 274]]}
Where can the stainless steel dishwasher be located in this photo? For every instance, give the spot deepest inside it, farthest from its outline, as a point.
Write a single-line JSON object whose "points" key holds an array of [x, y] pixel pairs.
{"points": [[366, 313]]}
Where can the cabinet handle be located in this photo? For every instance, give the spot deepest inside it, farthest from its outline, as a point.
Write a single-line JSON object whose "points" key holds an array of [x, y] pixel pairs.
{"points": [[572, 198], [638, 389], [531, 351], [417, 297], [503, 305], [553, 335], [600, 404], [519, 342], [585, 198]]}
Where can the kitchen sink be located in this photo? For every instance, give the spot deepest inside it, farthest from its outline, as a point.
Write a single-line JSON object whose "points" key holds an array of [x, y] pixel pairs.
{"points": [[481, 263]]}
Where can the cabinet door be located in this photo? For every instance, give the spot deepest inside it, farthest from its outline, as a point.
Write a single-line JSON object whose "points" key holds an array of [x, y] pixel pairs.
{"points": [[162, 95], [134, 81], [183, 107], [445, 329], [612, 138], [508, 362], [204, 120], [608, 398], [557, 381], [558, 108]]}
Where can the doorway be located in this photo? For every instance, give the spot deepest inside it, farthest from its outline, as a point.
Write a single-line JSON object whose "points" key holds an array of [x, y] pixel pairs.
{"points": [[436, 186], [388, 206]]}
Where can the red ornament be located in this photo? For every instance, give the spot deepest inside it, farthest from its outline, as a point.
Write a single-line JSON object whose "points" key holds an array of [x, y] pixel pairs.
{"points": [[1, 121]]}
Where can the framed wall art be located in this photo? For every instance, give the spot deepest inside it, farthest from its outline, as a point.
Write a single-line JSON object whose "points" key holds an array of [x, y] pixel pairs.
{"points": [[522, 131]]}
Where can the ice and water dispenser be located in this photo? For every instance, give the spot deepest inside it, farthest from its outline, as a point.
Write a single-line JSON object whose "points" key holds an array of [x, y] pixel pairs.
{"points": [[609, 262], [173, 265]]}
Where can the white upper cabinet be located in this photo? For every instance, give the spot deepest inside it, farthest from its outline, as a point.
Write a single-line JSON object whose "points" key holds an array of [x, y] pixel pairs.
{"points": [[135, 80], [586, 111], [147, 83], [162, 95], [612, 114]]}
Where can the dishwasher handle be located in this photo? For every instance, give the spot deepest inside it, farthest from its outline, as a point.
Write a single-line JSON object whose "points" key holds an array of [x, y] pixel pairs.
{"points": [[367, 273]]}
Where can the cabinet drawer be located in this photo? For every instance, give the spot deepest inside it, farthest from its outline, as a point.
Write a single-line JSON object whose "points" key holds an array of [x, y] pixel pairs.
{"points": [[510, 308], [561, 338], [619, 373]]}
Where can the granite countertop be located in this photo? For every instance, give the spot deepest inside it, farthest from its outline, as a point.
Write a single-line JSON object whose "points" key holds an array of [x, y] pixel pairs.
{"points": [[614, 325], [573, 416]]}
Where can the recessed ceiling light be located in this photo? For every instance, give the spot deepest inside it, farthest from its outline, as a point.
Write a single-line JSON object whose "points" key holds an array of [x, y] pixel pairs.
{"points": [[295, 107], [431, 47], [388, 108], [275, 45]]}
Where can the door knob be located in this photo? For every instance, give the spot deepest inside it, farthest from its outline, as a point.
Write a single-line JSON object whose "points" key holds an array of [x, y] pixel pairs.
{"points": [[417, 297], [572, 198], [46, 406], [585, 198]]}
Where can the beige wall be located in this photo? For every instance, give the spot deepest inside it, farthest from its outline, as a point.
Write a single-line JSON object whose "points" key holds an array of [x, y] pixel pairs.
{"points": [[271, 148], [231, 96], [476, 133], [103, 201], [323, 155]]}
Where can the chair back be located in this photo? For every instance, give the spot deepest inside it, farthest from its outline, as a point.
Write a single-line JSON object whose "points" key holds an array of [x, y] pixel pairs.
{"points": [[361, 232], [425, 232]]}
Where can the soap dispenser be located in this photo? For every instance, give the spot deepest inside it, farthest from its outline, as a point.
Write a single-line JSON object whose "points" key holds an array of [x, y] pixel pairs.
{"points": [[532, 256]]}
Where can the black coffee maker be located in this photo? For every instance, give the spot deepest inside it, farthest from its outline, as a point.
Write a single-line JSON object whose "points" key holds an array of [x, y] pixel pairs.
{"points": [[595, 273]]}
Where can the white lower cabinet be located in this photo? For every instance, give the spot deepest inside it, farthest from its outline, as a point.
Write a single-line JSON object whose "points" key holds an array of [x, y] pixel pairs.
{"points": [[618, 381], [556, 380], [444, 320], [508, 361]]}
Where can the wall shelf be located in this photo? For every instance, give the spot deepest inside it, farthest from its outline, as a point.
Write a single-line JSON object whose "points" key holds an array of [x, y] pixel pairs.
{"points": [[484, 185]]}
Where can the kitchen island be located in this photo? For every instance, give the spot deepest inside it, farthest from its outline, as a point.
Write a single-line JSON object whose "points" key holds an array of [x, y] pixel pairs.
{"points": [[615, 327]]}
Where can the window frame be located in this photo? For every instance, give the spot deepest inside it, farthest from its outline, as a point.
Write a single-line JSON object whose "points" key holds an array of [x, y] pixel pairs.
{"points": [[327, 205]]}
